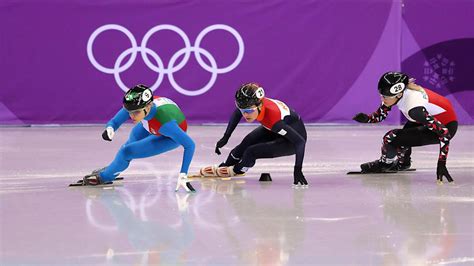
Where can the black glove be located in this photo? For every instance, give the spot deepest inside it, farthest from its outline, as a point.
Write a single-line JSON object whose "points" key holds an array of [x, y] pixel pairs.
{"points": [[441, 171], [361, 118], [299, 177], [221, 143], [108, 134]]}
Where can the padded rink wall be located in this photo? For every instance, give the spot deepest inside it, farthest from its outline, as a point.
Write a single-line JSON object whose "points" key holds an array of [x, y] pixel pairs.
{"points": [[68, 62]]}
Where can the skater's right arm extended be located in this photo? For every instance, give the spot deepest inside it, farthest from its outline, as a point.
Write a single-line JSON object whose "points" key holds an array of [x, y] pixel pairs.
{"points": [[120, 117], [299, 143], [233, 122], [421, 115], [375, 117]]}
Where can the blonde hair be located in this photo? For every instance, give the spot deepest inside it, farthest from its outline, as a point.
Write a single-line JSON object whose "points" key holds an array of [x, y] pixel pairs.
{"points": [[413, 86]]}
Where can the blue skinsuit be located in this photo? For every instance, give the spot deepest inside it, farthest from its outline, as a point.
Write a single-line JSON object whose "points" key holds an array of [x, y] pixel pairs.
{"points": [[143, 144]]}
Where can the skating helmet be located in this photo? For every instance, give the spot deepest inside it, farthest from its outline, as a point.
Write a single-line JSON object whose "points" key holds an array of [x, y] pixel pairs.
{"points": [[249, 94], [392, 83], [137, 97]]}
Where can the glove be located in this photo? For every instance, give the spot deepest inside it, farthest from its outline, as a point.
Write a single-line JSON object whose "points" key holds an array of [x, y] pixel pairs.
{"points": [[299, 177], [361, 118], [108, 133], [221, 143], [183, 181], [441, 171]]}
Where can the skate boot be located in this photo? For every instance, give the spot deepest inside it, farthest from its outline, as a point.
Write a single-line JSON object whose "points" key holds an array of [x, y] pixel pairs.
{"points": [[208, 171], [225, 171], [221, 171], [91, 180], [378, 167], [405, 165], [96, 171]]}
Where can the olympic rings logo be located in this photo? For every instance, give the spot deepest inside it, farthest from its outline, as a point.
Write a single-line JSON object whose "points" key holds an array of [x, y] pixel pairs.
{"points": [[172, 67]]}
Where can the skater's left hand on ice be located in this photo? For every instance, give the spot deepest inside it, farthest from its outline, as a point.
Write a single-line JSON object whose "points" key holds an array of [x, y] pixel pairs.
{"points": [[183, 181], [221, 143], [441, 171], [299, 177]]}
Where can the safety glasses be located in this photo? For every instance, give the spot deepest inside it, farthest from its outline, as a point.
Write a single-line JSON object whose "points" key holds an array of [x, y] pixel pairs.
{"points": [[135, 112], [248, 110], [388, 97]]}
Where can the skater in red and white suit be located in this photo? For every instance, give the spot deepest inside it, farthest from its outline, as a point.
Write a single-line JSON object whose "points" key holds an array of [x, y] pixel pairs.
{"points": [[281, 133], [431, 120]]}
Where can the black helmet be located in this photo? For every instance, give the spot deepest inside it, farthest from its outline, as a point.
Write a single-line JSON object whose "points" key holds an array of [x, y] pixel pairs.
{"points": [[392, 83], [137, 97], [249, 94]]}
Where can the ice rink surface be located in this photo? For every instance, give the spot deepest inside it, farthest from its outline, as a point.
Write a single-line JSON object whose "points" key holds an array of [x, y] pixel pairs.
{"points": [[395, 219]]}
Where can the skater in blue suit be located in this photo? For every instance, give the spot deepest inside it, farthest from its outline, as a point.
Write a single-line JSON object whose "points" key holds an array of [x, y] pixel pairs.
{"points": [[160, 127]]}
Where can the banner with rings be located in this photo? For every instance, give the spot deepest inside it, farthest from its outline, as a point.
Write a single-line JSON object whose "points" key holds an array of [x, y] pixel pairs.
{"points": [[172, 66], [69, 62]]}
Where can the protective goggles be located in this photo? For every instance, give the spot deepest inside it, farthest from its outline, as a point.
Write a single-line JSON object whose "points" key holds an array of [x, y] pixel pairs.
{"points": [[248, 110], [135, 112], [388, 97]]}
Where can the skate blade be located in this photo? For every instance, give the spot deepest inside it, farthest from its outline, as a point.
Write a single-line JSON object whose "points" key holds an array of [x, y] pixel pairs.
{"points": [[79, 183], [213, 177], [379, 173], [111, 184], [195, 176], [408, 170]]}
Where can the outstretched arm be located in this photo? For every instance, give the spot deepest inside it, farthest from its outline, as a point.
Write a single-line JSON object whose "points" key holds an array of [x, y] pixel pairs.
{"points": [[233, 122], [375, 117], [120, 117], [421, 115], [299, 142], [294, 137], [173, 131]]}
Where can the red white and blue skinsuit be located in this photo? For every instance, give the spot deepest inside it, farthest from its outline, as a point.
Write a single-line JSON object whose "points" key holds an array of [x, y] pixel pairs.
{"points": [[281, 133], [431, 120]]}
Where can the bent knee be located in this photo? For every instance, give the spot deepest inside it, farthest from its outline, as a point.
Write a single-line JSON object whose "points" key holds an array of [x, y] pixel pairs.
{"points": [[126, 152], [251, 152], [390, 136]]}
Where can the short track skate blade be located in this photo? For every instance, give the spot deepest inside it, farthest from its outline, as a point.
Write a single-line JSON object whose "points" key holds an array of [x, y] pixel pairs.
{"points": [[198, 176], [195, 176], [76, 184], [369, 173], [79, 183], [100, 185]]}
